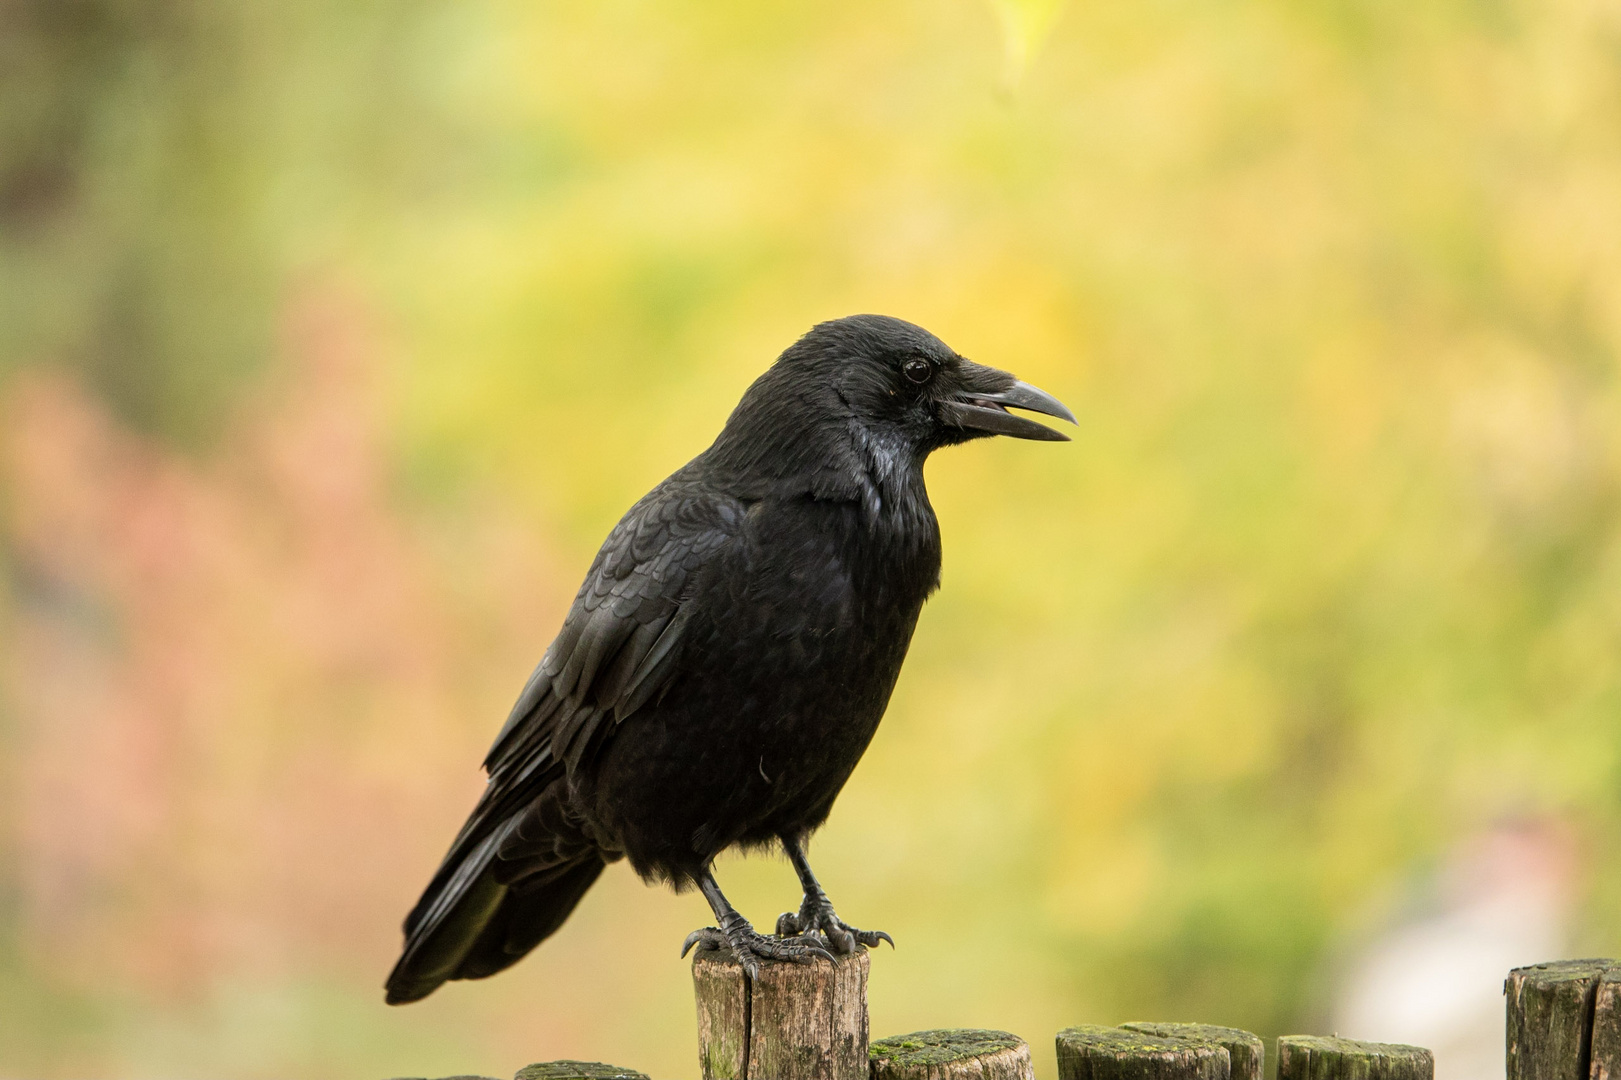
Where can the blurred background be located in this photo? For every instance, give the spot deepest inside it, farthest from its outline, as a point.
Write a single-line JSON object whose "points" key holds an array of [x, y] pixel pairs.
{"points": [[334, 338]]}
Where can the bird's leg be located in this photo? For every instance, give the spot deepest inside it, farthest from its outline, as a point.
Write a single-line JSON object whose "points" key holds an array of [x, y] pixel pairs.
{"points": [[735, 933], [816, 912]]}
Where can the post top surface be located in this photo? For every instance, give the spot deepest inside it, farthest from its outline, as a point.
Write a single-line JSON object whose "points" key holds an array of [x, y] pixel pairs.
{"points": [[1565, 970], [1333, 1044], [941, 1045], [710, 957], [1114, 1040], [577, 1070], [1205, 1032]]}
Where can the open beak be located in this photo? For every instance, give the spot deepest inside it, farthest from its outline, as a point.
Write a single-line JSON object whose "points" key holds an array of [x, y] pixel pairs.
{"points": [[988, 411]]}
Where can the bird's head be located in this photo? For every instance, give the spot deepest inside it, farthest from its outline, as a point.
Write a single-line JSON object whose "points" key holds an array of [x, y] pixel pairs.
{"points": [[878, 388], [894, 376]]}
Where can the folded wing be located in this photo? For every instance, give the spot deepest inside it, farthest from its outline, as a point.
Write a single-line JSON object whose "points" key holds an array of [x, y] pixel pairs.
{"points": [[525, 856]]}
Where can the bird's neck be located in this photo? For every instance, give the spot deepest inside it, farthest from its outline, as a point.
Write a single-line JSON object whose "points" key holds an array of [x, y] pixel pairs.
{"points": [[880, 472], [890, 478]]}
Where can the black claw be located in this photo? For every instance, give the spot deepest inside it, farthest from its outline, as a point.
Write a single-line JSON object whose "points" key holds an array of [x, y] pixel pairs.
{"points": [[871, 938], [816, 916], [799, 952], [748, 947], [694, 938]]}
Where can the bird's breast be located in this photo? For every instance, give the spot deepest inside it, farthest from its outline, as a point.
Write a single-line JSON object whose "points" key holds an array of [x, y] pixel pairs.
{"points": [[838, 568], [820, 615], [796, 639]]}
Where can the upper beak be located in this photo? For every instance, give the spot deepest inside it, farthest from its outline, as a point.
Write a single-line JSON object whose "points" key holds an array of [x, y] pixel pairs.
{"points": [[988, 412]]}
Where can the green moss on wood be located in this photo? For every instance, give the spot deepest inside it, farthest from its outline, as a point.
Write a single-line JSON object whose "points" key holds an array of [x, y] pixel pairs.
{"points": [[1244, 1049], [1312, 1057], [577, 1070], [1113, 1040], [1093, 1052], [1564, 970], [938, 1047]]}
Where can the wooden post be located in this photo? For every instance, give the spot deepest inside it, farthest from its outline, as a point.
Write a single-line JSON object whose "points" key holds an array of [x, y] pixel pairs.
{"points": [[1245, 1051], [577, 1070], [1564, 1020], [1308, 1057], [1090, 1052], [795, 1022], [952, 1054], [1605, 1058]]}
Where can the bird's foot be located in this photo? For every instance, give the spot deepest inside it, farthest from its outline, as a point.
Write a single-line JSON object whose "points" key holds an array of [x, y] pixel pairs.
{"points": [[751, 947], [816, 917]]}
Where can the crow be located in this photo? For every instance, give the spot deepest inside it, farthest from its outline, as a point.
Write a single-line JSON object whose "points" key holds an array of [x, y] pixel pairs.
{"points": [[727, 660]]}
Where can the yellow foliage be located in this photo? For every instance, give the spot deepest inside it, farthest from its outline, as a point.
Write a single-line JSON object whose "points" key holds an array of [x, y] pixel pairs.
{"points": [[1328, 580]]}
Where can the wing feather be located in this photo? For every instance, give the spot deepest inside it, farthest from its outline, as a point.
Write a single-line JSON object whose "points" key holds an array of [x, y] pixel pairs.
{"points": [[616, 650], [524, 857]]}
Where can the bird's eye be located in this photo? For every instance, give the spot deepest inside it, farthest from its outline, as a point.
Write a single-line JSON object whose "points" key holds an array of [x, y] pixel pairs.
{"points": [[917, 370]]}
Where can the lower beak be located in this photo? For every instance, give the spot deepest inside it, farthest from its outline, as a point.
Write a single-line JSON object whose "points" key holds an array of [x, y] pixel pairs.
{"points": [[989, 412]]}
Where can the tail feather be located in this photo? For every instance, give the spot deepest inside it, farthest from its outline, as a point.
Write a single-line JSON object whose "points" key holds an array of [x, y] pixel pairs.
{"points": [[433, 953], [469, 925], [528, 915]]}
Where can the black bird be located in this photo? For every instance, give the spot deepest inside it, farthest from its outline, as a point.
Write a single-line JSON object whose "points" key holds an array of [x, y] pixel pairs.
{"points": [[728, 658]]}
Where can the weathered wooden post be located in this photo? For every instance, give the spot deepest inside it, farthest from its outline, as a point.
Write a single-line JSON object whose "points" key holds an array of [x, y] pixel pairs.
{"points": [[794, 1022], [1604, 1056], [1091, 1052], [1245, 1051], [952, 1054], [1564, 1021], [1310, 1057]]}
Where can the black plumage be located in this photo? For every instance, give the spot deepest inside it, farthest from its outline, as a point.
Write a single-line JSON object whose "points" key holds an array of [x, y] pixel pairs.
{"points": [[727, 659]]}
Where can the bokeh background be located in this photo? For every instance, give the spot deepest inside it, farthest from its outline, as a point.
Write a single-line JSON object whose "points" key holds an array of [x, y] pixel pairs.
{"points": [[334, 337]]}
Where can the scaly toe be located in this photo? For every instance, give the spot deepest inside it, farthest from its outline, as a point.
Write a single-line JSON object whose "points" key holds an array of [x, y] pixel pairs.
{"points": [[839, 939], [799, 952], [710, 937], [871, 938], [749, 947]]}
